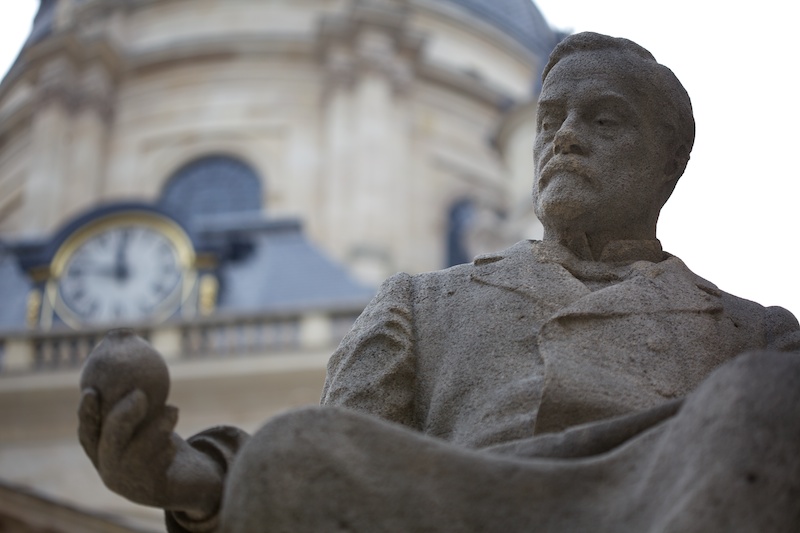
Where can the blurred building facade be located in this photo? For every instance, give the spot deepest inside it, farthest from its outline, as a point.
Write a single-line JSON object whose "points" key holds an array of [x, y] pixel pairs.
{"points": [[233, 178]]}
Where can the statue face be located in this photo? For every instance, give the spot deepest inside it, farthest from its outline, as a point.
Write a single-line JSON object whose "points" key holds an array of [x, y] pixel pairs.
{"points": [[600, 154]]}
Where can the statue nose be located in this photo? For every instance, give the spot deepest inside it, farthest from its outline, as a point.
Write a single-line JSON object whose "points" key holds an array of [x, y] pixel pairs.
{"points": [[567, 140]]}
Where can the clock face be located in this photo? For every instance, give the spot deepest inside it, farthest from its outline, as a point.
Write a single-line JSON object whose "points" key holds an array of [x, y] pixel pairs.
{"points": [[121, 271]]}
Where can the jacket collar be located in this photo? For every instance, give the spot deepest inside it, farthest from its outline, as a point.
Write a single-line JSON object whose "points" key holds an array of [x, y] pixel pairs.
{"points": [[551, 275]]}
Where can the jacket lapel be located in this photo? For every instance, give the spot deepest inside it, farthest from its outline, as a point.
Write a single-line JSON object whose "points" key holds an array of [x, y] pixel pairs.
{"points": [[668, 286], [526, 269]]}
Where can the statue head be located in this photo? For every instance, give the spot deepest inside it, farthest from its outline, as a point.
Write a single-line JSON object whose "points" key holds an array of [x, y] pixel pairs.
{"points": [[613, 136]]}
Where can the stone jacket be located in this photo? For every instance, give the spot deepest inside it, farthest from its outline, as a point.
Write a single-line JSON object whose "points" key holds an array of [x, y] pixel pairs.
{"points": [[533, 340]]}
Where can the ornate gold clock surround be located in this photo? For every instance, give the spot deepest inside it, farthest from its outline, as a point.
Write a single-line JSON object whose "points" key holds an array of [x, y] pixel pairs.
{"points": [[141, 219]]}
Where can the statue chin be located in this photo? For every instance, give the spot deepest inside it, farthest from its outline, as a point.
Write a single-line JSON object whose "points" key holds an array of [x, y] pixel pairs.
{"points": [[558, 210]]}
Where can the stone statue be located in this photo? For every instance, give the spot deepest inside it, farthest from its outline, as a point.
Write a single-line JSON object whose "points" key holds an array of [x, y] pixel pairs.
{"points": [[587, 382]]}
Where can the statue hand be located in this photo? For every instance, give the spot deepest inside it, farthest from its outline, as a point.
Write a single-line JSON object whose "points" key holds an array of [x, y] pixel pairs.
{"points": [[140, 457]]}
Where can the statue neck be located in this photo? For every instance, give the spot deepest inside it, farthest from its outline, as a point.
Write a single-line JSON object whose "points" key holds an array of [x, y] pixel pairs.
{"points": [[590, 246]]}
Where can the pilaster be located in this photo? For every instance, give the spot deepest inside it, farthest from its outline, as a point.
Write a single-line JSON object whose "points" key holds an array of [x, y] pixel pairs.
{"points": [[89, 138], [50, 145], [71, 120], [370, 56]]}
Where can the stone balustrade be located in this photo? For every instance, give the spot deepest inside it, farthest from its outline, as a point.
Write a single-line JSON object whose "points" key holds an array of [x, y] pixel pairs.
{"points": [[34, 351]]}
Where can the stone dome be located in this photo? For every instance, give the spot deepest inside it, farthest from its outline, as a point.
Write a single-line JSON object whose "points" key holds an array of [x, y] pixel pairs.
{"points": [[520, 19], [463, 73], [43, 22]]}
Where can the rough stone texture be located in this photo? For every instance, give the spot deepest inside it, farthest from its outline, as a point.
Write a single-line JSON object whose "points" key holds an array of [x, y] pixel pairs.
{"points": [[122, 362], [726, 462], [588, 382], [477, 355]]}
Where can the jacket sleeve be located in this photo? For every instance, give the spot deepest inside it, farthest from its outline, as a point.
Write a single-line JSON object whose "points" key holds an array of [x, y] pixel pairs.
{"points": [[374, 369], [221, 443]]}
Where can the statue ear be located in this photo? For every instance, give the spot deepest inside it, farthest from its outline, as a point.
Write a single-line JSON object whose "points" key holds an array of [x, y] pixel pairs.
{"points": [[677, 162]]}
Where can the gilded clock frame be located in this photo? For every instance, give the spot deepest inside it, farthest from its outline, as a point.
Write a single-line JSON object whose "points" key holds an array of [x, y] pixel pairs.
{"points": [[153, 221]]}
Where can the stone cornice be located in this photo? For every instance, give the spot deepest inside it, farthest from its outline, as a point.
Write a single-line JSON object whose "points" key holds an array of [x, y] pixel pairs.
{"points": [[219, 48], [78, 51], [336, 44], [58, 68], [464, 83], [370, 36], [480, 27], [304, 50]]}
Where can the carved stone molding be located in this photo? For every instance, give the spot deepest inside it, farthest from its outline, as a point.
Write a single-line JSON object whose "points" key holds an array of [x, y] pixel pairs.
{"points": [[372, 36], [76, 75], [75, 99]]}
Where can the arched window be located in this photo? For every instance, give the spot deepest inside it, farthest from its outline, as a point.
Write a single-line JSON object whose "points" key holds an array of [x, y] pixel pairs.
{"points": [[212, 185], [460, 218]]}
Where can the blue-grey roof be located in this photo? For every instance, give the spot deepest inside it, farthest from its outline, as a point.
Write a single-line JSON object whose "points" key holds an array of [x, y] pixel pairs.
{"points": [[520, 19], [14, 289], [262, 264], [281, 269], [43, 22]]}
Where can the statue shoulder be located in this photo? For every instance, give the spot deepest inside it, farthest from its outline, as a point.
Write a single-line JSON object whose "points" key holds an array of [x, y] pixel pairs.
{"points": [[519, 251], [783, 330], [426, 286], [780, 327]]}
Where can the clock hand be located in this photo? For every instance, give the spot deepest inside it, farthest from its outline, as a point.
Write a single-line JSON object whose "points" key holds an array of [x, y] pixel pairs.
{"points": [[121, 265], [92, 268], [102, 271]]}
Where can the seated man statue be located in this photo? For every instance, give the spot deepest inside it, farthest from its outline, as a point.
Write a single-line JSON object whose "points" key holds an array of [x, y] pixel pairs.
{"points": [[589, 382]]}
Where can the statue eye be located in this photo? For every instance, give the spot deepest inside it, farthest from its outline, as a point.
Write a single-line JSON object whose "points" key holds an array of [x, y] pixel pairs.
{"points": [[605, 121], [548, 124]]}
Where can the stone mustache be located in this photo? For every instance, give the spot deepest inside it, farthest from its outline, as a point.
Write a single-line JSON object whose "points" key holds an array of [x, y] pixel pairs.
{"points": [[589, 382]]}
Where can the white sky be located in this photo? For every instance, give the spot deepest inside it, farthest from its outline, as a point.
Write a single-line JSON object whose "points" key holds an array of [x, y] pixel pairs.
{"points": [[733, 217], [16, 17]]}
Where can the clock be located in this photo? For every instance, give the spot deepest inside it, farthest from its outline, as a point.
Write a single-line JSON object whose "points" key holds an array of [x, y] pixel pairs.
{"points": [[127, 267]]}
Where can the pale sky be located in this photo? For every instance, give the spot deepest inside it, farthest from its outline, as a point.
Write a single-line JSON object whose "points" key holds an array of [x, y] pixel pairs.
{"points": [[733, 217], [16, 17]]}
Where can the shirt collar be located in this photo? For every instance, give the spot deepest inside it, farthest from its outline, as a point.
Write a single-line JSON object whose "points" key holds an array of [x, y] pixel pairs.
{"points": [[615, 252], [631, 251], [614, 264]]}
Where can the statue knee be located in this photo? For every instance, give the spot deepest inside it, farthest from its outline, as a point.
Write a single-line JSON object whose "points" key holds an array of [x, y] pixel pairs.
{"points": [[285, 444], [734, 442], [302, 471], [763, 384], [751, 403], [273, 479]]}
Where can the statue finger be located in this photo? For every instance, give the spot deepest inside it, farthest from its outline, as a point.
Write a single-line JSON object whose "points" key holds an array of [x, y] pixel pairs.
{"points": [[89, 423], [154, 447], [119, 427], [170, 417], [167, 423], [154, 439]]}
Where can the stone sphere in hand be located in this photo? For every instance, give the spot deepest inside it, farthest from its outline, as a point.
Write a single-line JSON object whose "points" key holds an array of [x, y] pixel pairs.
{"points": [[122, 362]]}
